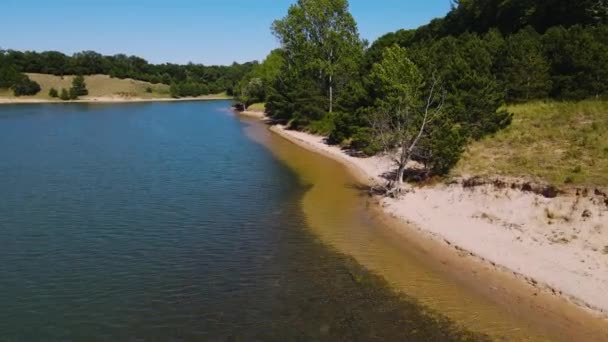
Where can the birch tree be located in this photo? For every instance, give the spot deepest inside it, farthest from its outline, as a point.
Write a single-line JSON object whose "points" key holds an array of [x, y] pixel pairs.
{"points": [[402, 115], [320, 38]]}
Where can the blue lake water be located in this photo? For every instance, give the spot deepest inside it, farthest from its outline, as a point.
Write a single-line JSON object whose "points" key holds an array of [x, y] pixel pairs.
{"points": [[158, 221]]}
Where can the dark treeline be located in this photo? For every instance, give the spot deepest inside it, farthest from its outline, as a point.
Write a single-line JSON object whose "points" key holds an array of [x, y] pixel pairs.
{"points": [[186, 80], [510, 16], [462, 69]]}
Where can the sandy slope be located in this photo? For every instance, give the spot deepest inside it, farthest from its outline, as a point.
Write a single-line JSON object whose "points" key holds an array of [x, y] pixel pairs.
{"points": [[560, 244]]}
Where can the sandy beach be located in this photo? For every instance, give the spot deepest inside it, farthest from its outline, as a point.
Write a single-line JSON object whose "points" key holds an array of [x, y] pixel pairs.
{"points": [[558, 245]]}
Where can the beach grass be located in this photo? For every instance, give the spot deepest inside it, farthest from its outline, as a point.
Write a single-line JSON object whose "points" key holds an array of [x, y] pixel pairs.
{"points": [[563, 143]]}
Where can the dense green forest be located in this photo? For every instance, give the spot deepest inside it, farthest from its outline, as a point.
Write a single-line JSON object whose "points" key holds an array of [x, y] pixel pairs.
{"points": [[461, 71], [185, 80]]}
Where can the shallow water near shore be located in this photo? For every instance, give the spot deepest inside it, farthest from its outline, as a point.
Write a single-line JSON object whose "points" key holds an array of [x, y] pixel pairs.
{"points": [[181, 220]]}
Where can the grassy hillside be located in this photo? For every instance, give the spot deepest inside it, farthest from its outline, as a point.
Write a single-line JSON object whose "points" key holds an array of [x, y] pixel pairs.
{"points": [[563, 143], [98, 85], [101, 86]]}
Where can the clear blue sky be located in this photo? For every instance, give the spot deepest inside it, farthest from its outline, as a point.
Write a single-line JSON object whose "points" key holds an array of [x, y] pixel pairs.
{"points": [[179, 31]]}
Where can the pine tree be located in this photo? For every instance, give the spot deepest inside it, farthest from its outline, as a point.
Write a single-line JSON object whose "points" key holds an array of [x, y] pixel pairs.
{"points": [[525, 70], [79, 87], [53, 92], [64, 95]]}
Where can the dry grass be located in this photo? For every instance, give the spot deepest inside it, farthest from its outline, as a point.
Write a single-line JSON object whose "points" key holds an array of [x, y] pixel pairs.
{"points": [[98, 86], [102, 86], [557, 142]]}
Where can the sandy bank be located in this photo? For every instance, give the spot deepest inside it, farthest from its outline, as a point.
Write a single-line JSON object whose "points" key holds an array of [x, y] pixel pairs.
{"points": [[558, 244], [252, 114], [107, 99]]}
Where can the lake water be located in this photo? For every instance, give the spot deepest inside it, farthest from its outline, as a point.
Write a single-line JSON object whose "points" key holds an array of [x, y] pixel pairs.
{"points": [[182, 221], [166, 220]]}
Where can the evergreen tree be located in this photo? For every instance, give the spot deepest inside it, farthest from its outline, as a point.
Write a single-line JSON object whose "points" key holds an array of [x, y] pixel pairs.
{"points": [[579, 61], [474, 95], [79, 87], [525, 71], [64, 95], [53, 92]]}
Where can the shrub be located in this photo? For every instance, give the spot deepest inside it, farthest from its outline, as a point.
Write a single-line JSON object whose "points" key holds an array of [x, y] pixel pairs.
{"points": [[25, 86], [445, 146], [363, 141], [53, 93], [73, 94], [148, 90], [323, 126], [64, 94], [79, 87]]}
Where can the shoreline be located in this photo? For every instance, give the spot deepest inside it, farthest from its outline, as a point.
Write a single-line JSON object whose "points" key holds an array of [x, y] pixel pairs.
{"points": [[579, 278], [252, 114], [107, 99]]}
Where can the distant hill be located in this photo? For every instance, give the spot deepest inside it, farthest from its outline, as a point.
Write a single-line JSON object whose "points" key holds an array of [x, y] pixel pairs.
{"points": [[98, 86]]}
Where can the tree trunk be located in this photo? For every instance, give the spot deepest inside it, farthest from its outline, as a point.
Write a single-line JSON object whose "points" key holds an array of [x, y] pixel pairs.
{"points": [[400, 175], [331, 95], [331, 85]]}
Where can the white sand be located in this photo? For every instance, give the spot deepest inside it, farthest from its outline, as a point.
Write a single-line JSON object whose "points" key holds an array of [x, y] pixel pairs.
{"points": [[559, 244]]}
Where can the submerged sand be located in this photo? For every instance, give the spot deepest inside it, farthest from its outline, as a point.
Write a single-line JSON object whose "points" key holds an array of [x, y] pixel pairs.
{"points": [[556, 244]]}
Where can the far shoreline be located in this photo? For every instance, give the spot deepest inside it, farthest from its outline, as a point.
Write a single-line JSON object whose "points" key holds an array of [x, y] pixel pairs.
{"points": [[109, 100]]}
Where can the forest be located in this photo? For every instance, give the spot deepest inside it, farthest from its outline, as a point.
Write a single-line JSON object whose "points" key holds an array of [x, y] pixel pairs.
{"points": [[424, 94], [185, 80]]}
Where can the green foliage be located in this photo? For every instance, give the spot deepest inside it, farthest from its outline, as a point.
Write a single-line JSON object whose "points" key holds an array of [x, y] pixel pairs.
{"points": [[188, 89], [73, 95], [486, 53], [568, 60], [254, 86], [321, 49], [579, 61], [397, 80], [363, 140], [253, 91], [53, 93], [9, 75], [524, 69], [408, 114], [444, 147], [323, 126], [64, 95], [216, 78], [25, 86], [473, 93], [79, 87], [509, 16]]}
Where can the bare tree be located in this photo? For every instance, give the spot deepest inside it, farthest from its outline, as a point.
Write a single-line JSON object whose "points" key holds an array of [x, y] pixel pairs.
{"points": [[401, 119]]}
